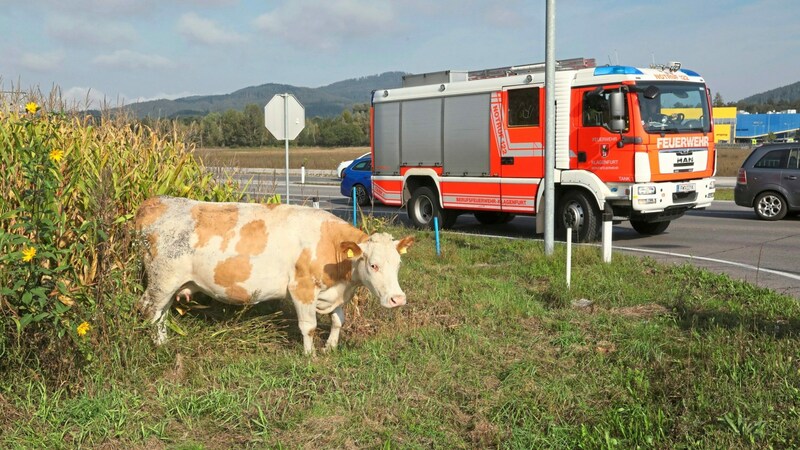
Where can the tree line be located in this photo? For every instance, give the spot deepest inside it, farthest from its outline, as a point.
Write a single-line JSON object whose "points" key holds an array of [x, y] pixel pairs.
{"points": [[234, 128], [764, 106]]}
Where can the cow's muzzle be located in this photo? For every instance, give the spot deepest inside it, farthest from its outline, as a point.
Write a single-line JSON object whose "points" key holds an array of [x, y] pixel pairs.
{"points": [[396, 300]]}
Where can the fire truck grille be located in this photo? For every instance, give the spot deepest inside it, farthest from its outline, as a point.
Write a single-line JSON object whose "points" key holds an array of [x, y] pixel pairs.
{"points": [[684, 197]]}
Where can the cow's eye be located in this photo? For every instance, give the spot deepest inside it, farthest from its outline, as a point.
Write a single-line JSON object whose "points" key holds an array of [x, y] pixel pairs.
{"points": [[374, 267]]}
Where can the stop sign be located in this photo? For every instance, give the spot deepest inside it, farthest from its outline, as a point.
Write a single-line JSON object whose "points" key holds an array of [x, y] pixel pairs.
{"points": [[284, 116]]}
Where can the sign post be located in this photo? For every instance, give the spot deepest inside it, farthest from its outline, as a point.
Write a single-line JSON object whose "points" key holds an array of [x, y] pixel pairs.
{"points": [[285, 118]]}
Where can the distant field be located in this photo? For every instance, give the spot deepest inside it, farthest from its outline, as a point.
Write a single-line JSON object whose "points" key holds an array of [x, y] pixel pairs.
{"points": [[314, 158], [317, 158], [730, 159]]}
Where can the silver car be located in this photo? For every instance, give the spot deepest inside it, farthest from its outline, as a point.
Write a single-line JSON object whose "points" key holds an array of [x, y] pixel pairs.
{"points": [[769, 181], [345, 164]]}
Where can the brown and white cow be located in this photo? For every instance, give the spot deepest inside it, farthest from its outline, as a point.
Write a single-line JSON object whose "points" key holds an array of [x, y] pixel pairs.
{"points": [[245, 253]]}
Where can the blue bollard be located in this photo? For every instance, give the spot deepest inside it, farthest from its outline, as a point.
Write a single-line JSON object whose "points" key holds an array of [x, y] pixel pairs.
{"points": [[436, 232], [355, 205]]}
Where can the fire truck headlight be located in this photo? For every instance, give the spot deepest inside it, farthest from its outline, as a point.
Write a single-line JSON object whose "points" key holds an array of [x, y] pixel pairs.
{"points": [[645, 190], [647, 201], [712, 184]]}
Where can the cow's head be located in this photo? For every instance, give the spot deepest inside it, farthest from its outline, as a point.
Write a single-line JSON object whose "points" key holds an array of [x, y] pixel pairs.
{"points": [[376, 263]]}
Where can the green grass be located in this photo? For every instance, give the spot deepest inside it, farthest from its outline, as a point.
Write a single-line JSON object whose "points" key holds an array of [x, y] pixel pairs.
{"points": [[724, 194], [489, 352]]}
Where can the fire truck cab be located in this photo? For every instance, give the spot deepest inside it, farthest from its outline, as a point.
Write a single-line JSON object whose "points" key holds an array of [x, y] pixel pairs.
{"points": [[632, 143]]}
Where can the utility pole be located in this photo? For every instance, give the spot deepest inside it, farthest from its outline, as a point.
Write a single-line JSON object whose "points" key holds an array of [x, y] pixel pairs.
{"points": [[550, 128]]}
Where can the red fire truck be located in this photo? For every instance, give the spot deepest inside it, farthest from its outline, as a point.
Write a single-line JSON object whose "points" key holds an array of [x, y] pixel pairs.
{"points": [[630, 143]]}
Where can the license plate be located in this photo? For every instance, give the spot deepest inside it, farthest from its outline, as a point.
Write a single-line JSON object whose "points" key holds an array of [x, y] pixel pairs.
{"points": [[685, 187]]}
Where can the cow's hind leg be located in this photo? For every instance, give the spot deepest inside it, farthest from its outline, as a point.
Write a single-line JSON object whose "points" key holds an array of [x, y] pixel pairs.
{"points": [[154, 305]]}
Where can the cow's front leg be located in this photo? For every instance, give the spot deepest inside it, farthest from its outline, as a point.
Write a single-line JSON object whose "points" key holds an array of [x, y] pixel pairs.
{"points": [[307, 322], [337, 320]]}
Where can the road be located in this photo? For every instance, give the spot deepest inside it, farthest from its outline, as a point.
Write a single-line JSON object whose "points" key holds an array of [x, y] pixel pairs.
{"points": [[724, 238]]}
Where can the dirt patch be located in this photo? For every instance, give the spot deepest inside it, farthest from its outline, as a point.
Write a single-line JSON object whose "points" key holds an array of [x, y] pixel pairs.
{"points": [[176, 373], [151, 444], [646, 311], [10, 414], [484, 434]]}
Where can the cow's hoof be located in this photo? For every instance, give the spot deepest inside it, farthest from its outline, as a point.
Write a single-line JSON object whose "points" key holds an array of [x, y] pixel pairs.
{"points": [[329, 349], [160, 339]]}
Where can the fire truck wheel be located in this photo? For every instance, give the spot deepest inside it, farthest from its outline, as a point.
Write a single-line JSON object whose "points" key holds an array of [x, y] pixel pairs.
{"points": [[649, 228], [424, 206], [578, 211]]}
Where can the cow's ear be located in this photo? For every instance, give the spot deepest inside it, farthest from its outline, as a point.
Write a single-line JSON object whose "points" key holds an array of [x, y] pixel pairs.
{"points": [[403, 244], [350, 250]]}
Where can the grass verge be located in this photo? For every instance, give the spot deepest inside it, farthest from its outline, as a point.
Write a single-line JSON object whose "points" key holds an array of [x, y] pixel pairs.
{"points": [[724, 194], [490, 352]]}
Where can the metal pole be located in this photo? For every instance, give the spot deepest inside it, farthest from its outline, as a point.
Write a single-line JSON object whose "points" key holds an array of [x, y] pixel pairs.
{"points": [[286, 139], [550, 128]]}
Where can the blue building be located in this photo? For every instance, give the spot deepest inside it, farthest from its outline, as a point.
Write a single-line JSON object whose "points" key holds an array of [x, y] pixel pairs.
{"points": [[750, 127]]}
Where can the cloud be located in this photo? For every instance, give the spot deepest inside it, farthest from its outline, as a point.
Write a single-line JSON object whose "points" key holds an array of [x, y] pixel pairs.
{"points": [[324, 24], [160, 96], [103, 8], [82, 31], [210, 2], [42, 62], [84, 98], [127, 59], [204, 31]]}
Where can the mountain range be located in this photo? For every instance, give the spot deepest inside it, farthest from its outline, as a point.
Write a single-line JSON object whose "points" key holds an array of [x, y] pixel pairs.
{"points": [[323, 101], [331, 100], [786, 94]]}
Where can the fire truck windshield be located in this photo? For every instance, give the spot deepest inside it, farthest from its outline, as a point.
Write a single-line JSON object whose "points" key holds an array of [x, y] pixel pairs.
{"points": [[673, 107]]}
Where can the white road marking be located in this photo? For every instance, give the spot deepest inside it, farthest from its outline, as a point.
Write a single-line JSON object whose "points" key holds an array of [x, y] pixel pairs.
{"points": [[658, 252]]}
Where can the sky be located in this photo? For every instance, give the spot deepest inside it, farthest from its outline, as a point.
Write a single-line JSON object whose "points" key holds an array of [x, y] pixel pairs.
{"points": [[117, 52]]}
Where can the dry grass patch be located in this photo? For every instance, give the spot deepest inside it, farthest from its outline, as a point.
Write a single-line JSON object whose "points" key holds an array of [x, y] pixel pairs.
{"points": [[730, 159], [314, 158]]}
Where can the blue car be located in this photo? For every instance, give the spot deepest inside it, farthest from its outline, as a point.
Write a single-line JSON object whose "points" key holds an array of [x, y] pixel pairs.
{"points": [[358, 175]]}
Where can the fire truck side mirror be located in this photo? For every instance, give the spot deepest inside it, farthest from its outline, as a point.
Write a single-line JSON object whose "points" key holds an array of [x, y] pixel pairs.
{"points": [[616, 102]]}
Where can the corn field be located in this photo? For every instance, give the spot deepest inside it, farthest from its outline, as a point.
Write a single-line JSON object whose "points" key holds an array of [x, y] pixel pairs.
{"points": [[68, 266]]}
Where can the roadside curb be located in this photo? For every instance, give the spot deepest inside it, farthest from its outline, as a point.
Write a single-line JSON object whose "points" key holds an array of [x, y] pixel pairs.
{"points": [[726, 182]]}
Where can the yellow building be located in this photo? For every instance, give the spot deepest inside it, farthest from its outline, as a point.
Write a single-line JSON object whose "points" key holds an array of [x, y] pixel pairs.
{"points": [[724, 123]]}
